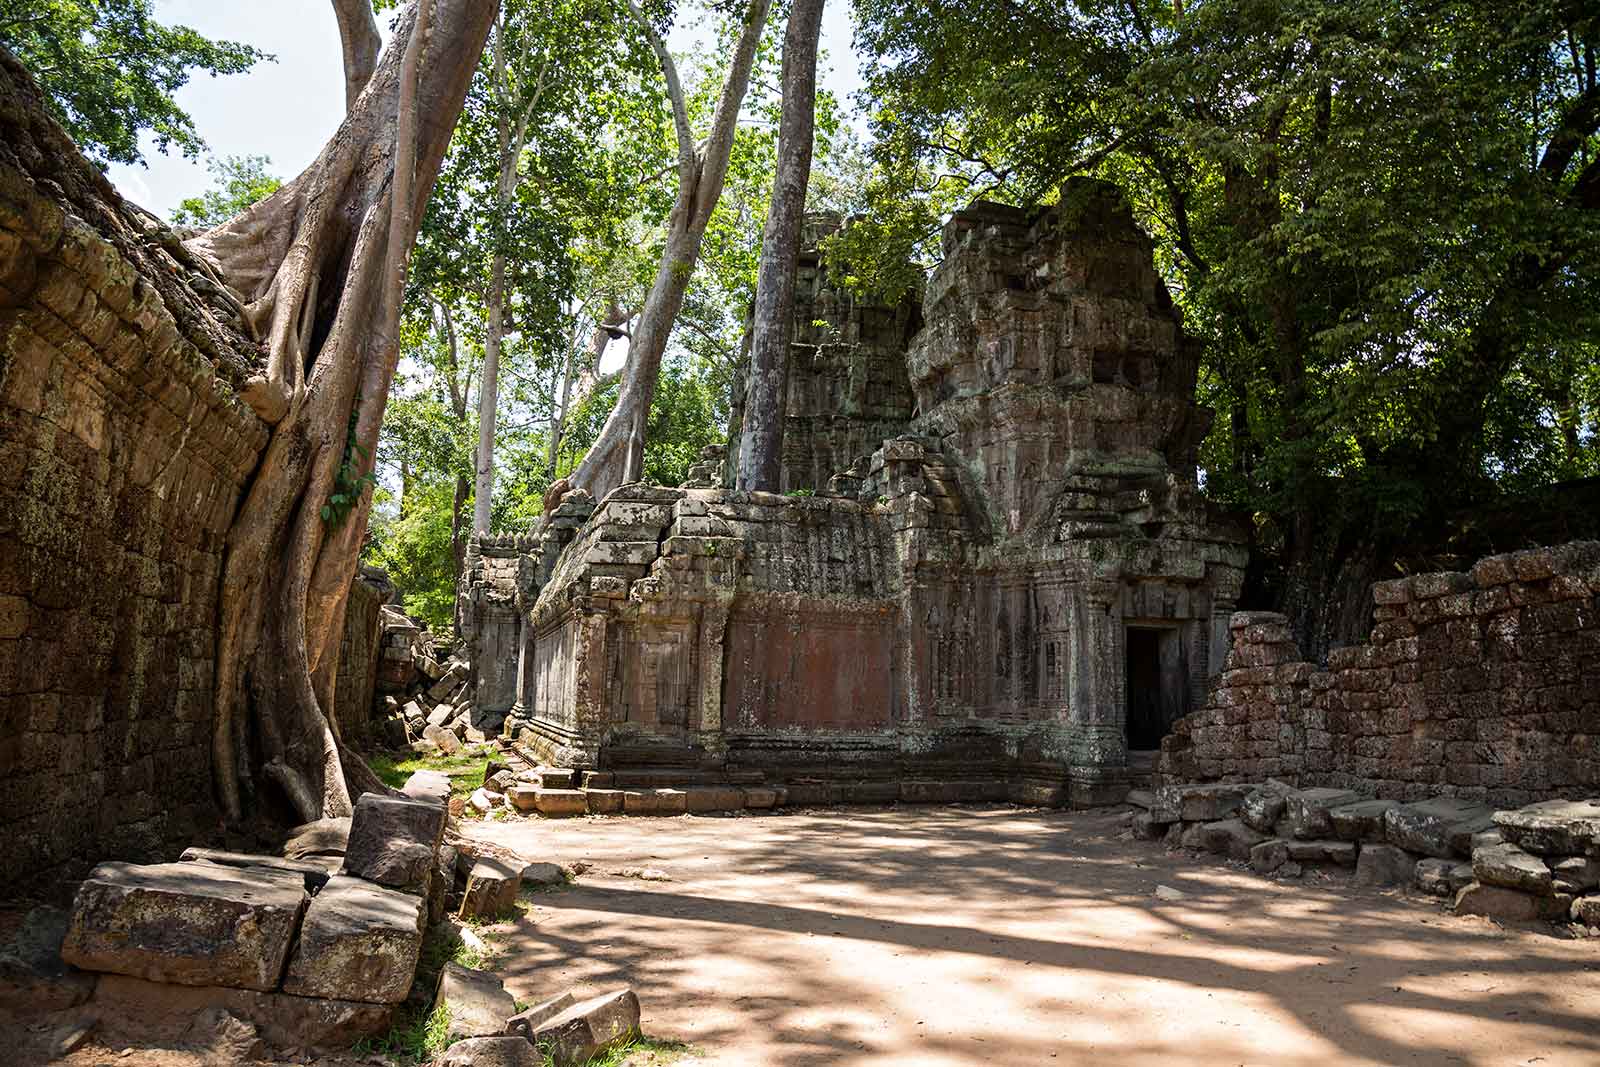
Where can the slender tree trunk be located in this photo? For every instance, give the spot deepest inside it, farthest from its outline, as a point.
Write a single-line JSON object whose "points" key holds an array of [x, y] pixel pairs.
{"points": [[599, 341], [320, 265], [358, 34], [761, 449], [701, 174], [489, 396]]}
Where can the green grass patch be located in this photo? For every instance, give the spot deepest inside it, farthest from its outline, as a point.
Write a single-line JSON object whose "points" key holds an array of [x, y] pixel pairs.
{"points": [[664, 1052], [466, 773], [415, 1039]]}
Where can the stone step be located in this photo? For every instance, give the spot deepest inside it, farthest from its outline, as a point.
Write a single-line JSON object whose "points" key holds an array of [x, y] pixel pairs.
{"points": [[1141, 798]]}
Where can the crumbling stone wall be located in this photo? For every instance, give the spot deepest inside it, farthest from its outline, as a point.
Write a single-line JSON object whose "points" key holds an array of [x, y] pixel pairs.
{"points": [[1483, 685], [123, 452]]}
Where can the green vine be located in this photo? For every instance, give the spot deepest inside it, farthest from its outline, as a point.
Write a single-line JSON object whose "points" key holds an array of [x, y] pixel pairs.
{"points": [[349, 482]]}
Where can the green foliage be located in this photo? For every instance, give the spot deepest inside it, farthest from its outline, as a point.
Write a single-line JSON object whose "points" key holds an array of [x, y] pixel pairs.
{"points": [[238, 182], [417, 1038], [110, 69], [352, 477], [465, 771]]}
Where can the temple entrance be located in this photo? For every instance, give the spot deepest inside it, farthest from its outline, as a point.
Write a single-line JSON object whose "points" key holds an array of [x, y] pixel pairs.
{"points": [[1146, 686]]}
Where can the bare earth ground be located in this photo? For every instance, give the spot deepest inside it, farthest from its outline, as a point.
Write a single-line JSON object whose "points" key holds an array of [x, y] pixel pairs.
{"points": [[997, 936]]}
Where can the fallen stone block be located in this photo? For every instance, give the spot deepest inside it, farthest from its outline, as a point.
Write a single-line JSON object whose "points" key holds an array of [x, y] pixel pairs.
{"points": [[483, 801], [1141, 798], [556, 778], [359, 941], [33, 976], [499, 782], [442, 882], [1232, 838], [492, 888], [1342, 853], [315, 871], [762, 796], [1432, 876], [491, 1052], [1263, 806], [1460, 877], [428, 785], [1208, 802], [1441, 827], [589, 1028], [394, 841], [604, 801], [476, 1000], [1585, 910], [1497, 902], [1487, 839], [314, 1023], [1381, 865], [555, 803], [1193, 836], [446, 741], [1361, 821], [702, 798], [918, 792], [1554, 827], [441, 715], [1268, 856], [1510, 867], [186, 923], [525, 1023], [542, 874], [524, 798], [1306, 811], [325, 837], [1146, 829], [1575, 874]]}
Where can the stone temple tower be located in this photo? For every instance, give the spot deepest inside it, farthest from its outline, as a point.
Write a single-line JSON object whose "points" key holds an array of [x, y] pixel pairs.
{"points": [[1005, 582]]}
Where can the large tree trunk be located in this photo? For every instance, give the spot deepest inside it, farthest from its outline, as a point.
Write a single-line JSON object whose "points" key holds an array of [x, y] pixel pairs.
{"points": [[320, 265], [761, 450], [618, 451]]}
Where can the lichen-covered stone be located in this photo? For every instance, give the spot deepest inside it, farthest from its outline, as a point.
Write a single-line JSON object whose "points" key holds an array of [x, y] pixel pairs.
{"points": [[1553, 827], [186, 923], [358, 941], [1509, 866], [589, 1028], [476, 1000], [1440, 827], [394, 842]]}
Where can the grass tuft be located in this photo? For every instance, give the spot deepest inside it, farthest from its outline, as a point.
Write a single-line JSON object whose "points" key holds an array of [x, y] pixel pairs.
{"points": [[416, 1039]]}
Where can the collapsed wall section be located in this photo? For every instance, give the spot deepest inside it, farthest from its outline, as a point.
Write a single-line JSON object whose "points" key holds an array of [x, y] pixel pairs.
{"points": [[1483, 685], [123, 453]]}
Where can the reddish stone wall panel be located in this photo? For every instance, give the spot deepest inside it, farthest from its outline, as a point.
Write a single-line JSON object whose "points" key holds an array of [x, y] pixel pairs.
{"points": [[811, 670]]}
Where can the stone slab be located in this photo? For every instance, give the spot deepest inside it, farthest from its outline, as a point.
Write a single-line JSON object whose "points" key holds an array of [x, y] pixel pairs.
{"points": [[394, 841], [1576, 874], [589, 1028], [1207, 802], [325, 837], [428, 785], [1306, 815], [526, 1023], [286, 1021], [358, 941], [1361, 821], [195, 924], [1511, 868], [1553, 828], [604, 801], [1263, 806], [492, 888], [1432, 876], [1232, 838], [762, 796], [1497, 902], [1384, 865], [1341, 853], [477, 1001], [555, 803], [702, 798], [1441, 827], [315, 870], [511, 1051]]}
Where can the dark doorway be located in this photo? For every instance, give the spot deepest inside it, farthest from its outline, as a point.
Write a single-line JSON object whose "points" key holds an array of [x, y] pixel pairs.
{"points": [[1147, 723]]}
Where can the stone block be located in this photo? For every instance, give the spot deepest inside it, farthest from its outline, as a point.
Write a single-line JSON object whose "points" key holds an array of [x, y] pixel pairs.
{"points": [[476, 1000], [1441, 827], [1576, 874], [1144, 828], [1497, 902], [1231, 838], [1554, 827], [1510, 867], [1432, 876], [394, 841], [701, 798], [359, 941], [604, 801], [1306, 811], [315, 871], [510, 1051], [1263, 806], [441, 715], [557, 778], [598, 779], [543, 874], [314, 1023], [195, 924], [1585, 910], [1361, 821], [559, 802], [1382, 865], [1268, 856], [325, 837], [428, 785], [1209, 802], [526, 1023], [492, 888], [33, 976], [442, 883], [762, 796], [1340, 853], [524, 798], [446, 741], [589, 1028]]}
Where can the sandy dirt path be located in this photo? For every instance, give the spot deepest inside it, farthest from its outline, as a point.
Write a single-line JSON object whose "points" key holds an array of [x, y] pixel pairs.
{"points": [[960, 936]]}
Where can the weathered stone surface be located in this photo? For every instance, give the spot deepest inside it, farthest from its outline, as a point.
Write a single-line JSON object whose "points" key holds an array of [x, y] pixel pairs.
{"points": [[315, 870], [1553, 828], [1585, 910], [1341, 853], [1268, 856], [1306, 811], [761, 796], [1380, 865], [325, 837], [1141, 798], [394, 842], [589, 1028], [1263, 806], [1361, 821], [1210, 802], [1441, 827], [1575, 874], [477, 1001], [554, 803], [282, 1020], [358, 941], [492, 888], [1497, 902], [1145, 828], [1232, 838], [1512, 868], [703, 798], [491, 1052], [442, 882], [604, 801], [542, 874], [428, 785], [186, 923], [1432, 876], [33, 976], [483, 801], [446, 741], [526, 1023]]}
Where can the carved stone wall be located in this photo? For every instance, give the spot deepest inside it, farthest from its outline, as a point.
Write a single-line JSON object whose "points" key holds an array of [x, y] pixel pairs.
{"points": [[123, 450], [968, 594], [1483, 685]]}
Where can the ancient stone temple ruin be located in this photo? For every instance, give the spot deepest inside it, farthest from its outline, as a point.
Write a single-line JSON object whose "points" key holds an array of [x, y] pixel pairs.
{"points": [[991, 567]]}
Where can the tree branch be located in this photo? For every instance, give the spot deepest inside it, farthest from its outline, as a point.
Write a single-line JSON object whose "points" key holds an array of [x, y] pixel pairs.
{"points": [[358, 34], [688, 160]]}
